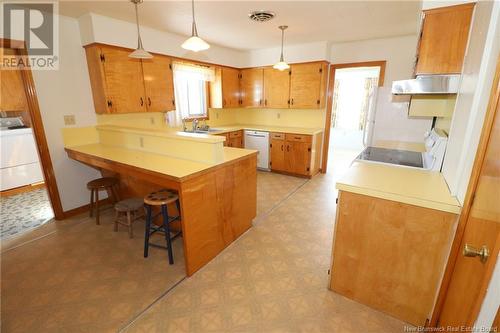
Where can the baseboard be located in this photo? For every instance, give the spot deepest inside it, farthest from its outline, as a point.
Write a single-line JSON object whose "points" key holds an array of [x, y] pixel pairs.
{"points": [[22, 189], [82, 209]]}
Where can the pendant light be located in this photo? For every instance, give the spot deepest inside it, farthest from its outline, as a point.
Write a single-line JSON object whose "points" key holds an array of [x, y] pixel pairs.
{"points": [[194, 43], [139, 53], [282, 65]]}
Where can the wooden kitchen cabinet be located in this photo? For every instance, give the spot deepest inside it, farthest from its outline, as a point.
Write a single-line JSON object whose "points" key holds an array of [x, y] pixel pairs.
{"points": [[233, 139], [277, 151], [390, 255], [121, 84], [11, 85], [308, 85], [443, 39], [252, 87], [276, 88], [159, 83], [230, 87]]}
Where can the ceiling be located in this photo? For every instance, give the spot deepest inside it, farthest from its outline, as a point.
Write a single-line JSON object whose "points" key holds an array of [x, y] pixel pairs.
{"points": [[226, 23]]}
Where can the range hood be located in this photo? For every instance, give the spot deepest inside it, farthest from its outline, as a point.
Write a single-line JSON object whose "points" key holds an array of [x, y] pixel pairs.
{"points": [[427, 85]]}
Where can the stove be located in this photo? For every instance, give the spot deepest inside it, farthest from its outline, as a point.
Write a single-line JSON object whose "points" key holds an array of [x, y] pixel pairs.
{"points": [[392, 156]]}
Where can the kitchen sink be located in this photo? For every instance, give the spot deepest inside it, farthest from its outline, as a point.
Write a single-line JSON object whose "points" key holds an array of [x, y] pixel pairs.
{"points": [[199, 131]]}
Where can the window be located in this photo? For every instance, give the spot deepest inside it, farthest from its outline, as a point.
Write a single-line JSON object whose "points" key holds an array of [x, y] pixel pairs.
{"points": [[191, 90]]}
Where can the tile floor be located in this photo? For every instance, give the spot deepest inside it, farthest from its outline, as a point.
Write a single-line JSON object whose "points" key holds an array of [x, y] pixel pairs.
{"points": [[25, 211], [81, 277]]}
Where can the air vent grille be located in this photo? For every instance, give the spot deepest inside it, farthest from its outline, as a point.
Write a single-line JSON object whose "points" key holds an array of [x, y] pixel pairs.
{"points": [[261, 15]]}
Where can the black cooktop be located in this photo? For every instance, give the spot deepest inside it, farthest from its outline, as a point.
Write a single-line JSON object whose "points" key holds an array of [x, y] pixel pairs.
{"points": [[392, 156]]}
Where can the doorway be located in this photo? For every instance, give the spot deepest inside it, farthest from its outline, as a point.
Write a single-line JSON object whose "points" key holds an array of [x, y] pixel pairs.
{"points": [[352, 95]]}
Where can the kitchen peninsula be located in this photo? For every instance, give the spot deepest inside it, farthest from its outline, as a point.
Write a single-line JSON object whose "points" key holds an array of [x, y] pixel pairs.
{"points": [[216, 185]]}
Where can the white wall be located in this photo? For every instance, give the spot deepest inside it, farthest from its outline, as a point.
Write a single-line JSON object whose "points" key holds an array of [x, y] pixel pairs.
{"points": [[430, 4], [473, 96], [292, 53], [102, 29], [61, 92], [399, 52]]}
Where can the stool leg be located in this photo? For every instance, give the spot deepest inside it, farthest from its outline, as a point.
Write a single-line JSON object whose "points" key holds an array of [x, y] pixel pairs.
{"points": [[91, 202], [166, 228], [129, 222], [117, 216], [148, 228], [97, 207], [178, 204]]}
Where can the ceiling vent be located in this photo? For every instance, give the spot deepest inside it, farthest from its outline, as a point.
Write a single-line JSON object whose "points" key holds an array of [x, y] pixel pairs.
{"points": [[261, 15]]}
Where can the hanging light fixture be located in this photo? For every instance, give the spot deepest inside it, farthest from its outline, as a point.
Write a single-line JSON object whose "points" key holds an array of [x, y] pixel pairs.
{"points": [[139, 53], [282, 65], [194, 43]]}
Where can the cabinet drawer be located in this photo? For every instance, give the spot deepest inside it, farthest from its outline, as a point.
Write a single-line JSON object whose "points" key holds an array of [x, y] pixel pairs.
{"points": [[278, 136], [298, 137], [235, 134]]}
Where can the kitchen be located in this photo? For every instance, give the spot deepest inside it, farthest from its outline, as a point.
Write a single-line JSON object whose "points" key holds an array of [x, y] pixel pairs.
{"points": [[134, 123]]}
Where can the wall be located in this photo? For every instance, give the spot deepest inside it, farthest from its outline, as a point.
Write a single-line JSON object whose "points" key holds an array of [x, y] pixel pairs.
{"points": [[292, 53], [473, 96], [102, 29], [67, 91]]}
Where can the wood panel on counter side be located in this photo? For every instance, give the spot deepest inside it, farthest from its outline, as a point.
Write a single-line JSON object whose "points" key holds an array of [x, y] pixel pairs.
{"points": [[217, 204], [389, 255]]}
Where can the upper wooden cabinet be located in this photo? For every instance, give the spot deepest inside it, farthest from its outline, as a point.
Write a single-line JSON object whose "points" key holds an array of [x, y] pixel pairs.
{"points": [[308, 85], [276, 88], [252, 87], [159, 83], [121, 84], [230, 87], [443, 40]]}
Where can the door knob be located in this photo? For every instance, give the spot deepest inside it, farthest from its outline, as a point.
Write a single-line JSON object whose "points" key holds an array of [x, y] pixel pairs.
{"points": [[483, 253]]}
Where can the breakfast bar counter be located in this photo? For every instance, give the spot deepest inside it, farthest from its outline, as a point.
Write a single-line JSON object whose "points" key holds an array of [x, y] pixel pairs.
{"points": [[218, 200]]}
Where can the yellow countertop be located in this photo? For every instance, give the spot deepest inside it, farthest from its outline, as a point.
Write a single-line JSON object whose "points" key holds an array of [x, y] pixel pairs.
{"points": [[170, 166], [281, 129], [407, 185]]}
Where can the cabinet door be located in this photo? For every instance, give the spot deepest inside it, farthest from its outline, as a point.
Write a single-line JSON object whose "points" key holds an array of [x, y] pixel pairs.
{"points": [[298, 157], [12, 88], [252, 84], [278, 155], [445, 32], [124, 81], [276, 88], [230, 87], [306, 84], [158, 84]]}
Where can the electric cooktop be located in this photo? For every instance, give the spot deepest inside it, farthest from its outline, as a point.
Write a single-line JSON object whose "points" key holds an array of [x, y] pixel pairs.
{"points": [[392, 156]]}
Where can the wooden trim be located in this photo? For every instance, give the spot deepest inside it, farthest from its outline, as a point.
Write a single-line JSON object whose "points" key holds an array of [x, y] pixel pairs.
{"points": [[39, 132], [331, 85], [85, 208], [493, 105], [22, 189]]}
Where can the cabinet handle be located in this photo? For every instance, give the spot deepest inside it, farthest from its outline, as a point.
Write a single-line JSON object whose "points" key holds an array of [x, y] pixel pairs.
{"points": [[287, 148], [260, 102], [281, 147], [149, 101], [292, 101], [173, 102], [297, 137], [265, 102], [142, 102]]}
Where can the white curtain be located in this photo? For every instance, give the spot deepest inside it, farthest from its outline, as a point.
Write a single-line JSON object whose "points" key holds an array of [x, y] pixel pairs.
{"points": [[190, 92]]}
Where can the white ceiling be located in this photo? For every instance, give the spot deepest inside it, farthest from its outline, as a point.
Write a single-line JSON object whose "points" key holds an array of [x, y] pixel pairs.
{"points": [[226, 23]]}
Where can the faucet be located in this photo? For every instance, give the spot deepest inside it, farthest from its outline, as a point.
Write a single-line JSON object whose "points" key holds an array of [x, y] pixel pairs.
{"points": [[184, 127], [195, 125]]}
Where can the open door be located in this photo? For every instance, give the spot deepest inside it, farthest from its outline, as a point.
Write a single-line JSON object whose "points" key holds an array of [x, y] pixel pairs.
{"points": [[479, 228]]}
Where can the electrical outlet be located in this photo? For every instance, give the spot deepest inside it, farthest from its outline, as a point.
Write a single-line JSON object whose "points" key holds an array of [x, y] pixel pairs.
{"points": [[141, 142], [152, 120], [69, 119], [278, 115]]}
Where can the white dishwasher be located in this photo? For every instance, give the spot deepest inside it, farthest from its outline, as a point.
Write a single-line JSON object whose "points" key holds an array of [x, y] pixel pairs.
{"points": [[259, 140]]}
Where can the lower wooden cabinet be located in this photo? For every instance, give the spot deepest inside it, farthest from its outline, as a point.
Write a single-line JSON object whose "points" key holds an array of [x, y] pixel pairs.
{"points": [[233, 139], [389, 255], [295, 154]]}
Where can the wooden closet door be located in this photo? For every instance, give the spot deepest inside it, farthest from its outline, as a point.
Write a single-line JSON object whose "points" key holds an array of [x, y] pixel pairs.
{"points": [[276, 88], [159, 84], [305, 85], [252, 84], [124, 81], [11, 85], [230, 87]]}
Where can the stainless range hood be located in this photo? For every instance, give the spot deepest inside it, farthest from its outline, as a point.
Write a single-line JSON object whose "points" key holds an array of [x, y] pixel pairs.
{"points": [[427, 85]]}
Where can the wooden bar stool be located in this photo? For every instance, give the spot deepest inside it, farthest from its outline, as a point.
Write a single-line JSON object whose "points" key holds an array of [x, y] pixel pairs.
{"points": [[100, 184], [127, 212], [161, 198]]}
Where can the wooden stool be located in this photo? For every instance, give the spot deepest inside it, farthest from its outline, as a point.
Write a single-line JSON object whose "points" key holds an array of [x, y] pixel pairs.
{"points": [[128, 211], [99, 184], [161, 198]]}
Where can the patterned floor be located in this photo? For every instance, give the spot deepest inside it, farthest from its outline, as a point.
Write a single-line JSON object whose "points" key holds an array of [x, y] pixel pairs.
{"points": [[86, 278], [25, 211]]}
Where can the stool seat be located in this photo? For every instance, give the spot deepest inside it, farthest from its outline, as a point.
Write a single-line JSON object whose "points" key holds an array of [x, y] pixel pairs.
{"points": [[161, 197], [129, 205], [103, 182]]}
